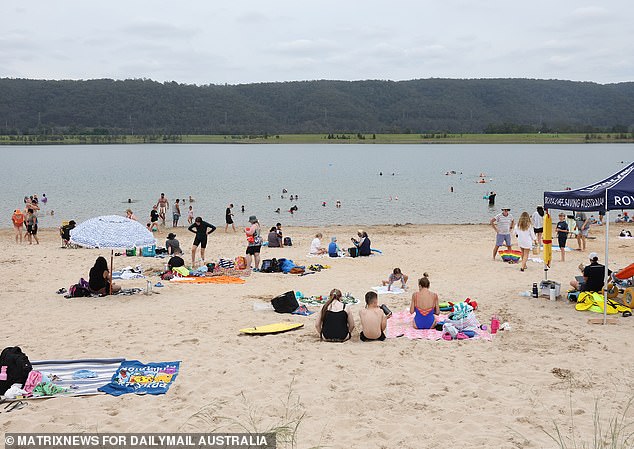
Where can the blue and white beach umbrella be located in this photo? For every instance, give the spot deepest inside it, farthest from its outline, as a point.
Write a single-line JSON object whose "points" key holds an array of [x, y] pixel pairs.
{"points": [[112, 232]]}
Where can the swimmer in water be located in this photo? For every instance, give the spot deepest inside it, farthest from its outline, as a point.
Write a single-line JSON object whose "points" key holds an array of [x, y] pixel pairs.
{"points": [[277, 211]]}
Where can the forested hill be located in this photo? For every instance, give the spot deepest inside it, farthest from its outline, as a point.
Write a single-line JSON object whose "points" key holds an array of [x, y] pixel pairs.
{"points": [[428, 105]]}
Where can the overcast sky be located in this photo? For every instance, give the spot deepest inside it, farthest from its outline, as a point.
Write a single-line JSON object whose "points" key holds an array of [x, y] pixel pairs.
{"points": [[245, 41]]}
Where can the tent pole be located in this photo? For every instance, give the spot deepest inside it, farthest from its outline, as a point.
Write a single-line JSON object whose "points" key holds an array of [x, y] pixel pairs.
{"points": [[111, 268], [605, 278]]}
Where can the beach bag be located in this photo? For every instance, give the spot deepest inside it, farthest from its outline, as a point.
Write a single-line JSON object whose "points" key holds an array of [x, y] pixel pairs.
{"points": [[267, 266], [241, 263], [288, 241], [353, 252], [14, 368], [226, 263], [285, 303], [79, 291]]}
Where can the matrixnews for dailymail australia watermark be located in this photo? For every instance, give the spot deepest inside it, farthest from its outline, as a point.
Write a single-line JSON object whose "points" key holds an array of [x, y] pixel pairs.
{"points": [[139, 440]]}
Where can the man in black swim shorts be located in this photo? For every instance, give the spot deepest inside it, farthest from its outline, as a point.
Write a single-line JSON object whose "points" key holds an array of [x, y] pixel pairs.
{"points": [[200, 228]]}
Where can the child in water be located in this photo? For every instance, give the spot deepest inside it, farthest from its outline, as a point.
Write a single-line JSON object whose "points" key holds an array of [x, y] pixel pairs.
{"points": [[395, 276]]}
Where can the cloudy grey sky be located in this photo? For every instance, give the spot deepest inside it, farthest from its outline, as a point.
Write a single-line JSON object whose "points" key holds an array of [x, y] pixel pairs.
{"points": [[245, 41]]}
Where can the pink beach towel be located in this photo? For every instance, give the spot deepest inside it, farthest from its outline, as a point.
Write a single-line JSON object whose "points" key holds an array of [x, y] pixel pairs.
{"points": [[400, 325]]}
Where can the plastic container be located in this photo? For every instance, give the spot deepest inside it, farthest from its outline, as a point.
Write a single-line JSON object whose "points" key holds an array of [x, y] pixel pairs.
{"points": [[148, 251], [148, 287], [553, 292], [495, 324]]}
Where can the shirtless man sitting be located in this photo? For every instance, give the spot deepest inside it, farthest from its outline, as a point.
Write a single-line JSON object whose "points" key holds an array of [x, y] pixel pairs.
{"points": [[373, 319]]}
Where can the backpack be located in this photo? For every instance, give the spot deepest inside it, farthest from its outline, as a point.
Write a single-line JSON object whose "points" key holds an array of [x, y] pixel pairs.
{"points": [[78, 291], [288, 241], [267, 265], [285, 303], [14, 368]]}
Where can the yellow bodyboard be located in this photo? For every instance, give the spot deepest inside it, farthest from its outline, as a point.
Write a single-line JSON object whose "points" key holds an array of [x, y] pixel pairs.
{"points": [[271, 328]]}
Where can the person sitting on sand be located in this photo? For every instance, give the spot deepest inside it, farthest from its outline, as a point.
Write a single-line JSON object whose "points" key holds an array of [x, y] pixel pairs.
{"points": [[333, 248], [315, 246], [172, 245], [129, 214], [363, 244], [593, 276], [152, 227], [373, 319], [334, 323], [99, 278], [274, 239], [424, 305], [395, 276]]}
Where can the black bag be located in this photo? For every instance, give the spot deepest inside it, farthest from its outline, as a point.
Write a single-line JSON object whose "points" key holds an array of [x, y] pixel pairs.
{"points": [[288, 241], [285, 303], [175, 262], [15, 365], [353, 252], [275, 266], [78, 291], [266, 266]]}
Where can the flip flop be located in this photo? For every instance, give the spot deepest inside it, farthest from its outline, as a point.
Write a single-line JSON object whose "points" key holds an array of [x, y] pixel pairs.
{"points": [[461, 336], [447, 336], [60, 291]]}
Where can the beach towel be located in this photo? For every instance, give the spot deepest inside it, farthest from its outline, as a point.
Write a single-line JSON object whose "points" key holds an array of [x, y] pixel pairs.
{"points": [[209, 280], [61, 374], [400, 325], [382, 290], [510, 255], [321, 300], [133, 376]]}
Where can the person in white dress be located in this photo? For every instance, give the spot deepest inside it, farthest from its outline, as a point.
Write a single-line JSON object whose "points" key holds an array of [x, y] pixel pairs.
{"points": [[525, 237], [538, 225]]}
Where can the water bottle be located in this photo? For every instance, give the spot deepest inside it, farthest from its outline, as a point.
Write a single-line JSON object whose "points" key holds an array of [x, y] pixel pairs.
{"points": [[148, 288], [553, 292], [535, 291], [495, 324]]}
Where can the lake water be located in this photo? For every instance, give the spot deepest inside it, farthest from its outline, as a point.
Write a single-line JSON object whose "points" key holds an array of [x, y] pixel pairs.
{"points": [[88, 180]]}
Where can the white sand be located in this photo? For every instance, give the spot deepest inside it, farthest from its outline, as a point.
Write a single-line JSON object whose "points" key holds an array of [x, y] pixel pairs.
{"points": [[396, 394]]}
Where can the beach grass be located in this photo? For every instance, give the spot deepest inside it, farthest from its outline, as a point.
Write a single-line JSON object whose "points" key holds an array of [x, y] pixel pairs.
{"points": [[344, 138]]}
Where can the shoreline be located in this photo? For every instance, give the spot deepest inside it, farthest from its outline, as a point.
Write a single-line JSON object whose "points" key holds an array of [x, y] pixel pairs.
{"points": [[346, 139]]}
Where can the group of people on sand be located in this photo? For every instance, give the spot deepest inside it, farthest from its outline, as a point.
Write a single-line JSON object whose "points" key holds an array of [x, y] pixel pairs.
{"points": [[335, 323], [362, 246], [529, 231], [25, 222]]}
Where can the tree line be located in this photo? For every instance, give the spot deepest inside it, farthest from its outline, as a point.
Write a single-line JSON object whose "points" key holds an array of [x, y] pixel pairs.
{"points": [[105, 107]]}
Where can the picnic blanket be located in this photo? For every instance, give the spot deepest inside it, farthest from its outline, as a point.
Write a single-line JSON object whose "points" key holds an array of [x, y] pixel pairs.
{"points": [[132, 376], [209, 280], [321, 300], [400, 325], [71, 375], [382, 290]]}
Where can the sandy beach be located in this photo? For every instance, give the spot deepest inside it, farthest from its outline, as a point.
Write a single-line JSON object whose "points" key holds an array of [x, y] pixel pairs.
{"points": [[548, 369]]}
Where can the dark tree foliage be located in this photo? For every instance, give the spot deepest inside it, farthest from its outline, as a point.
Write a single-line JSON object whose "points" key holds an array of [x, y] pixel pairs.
{"points": [[140, 106]]}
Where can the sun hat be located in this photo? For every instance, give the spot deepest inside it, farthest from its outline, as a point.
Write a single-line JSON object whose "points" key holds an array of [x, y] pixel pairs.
{"points": [[593, 256], [171, 236], [333, 239], [253, 219]]}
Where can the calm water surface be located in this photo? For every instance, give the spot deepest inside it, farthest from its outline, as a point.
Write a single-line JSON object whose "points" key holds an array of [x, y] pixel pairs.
{"points": [[85, 181]]}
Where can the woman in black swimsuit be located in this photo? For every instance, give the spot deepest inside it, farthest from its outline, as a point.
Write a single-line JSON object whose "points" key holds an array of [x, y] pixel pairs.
{"points": [[199, 227], [334, 323]]}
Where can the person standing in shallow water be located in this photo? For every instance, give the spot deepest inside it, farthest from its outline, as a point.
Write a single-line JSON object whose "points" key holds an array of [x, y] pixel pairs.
{"points": [[176, 213]]}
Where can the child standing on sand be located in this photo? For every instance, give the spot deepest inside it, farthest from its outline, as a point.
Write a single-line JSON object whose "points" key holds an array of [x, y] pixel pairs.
{"points": [[562, 235]]}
